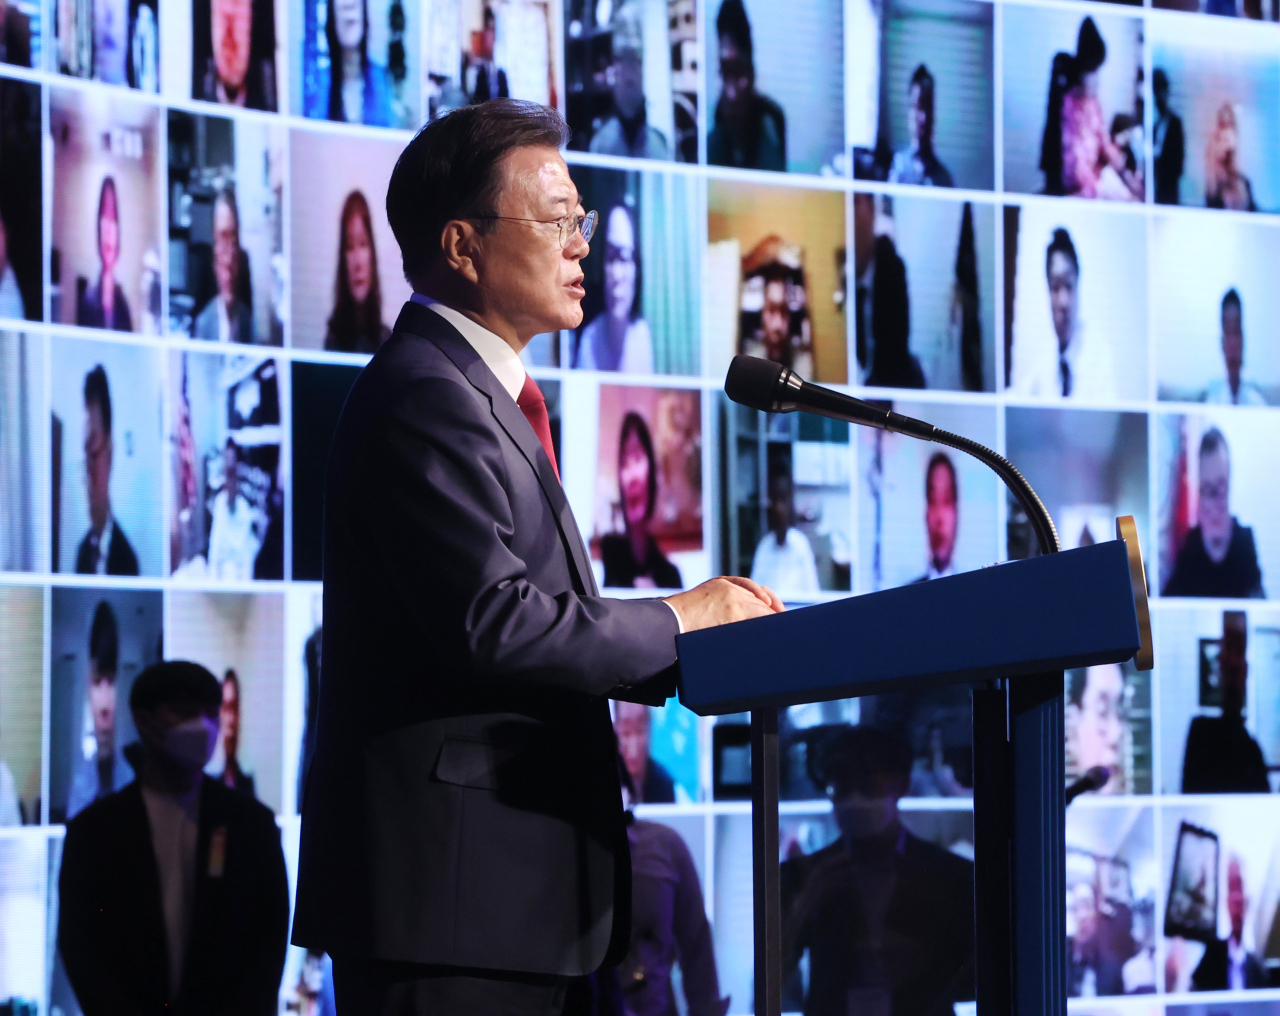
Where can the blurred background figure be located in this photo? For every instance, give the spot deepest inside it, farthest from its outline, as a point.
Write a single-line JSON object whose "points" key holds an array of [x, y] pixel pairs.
{"points": [[784, 558], [105, 550], [110, 41], [931, 775], [941, 515], [1233, 389], [103, 769], [10, 294], [633, 558], [1095, 723], [618, 338], [749, 129], [173, 893], [103, 304], [1093, 968], [233, 53], [357, 90], [1227, 965], [236, 529], [966, 307], [1077, 155], [15, 36], [668, 926], [917, 163], [482, 78], [650, 781], [1219, 556], [229, 733], [882, 307], [356, 324], [226, 317], [1221, 755], [886, 917], [1225, 185], [1168, 141], [625, 130]]}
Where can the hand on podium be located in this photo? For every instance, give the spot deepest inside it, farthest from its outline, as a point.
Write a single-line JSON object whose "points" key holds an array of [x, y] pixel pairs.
{"points": [[722, 601]]}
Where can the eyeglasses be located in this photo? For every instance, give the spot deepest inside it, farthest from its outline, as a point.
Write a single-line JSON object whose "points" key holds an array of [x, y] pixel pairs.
{"points": [[569, 225]]}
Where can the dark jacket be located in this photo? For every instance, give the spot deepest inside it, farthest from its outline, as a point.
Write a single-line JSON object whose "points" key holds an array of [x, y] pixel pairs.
{"points": [[121, 560], [926, 956], [1222, 757], [621, 568], [111, 930], [91, 314], [1168, 163], [1237, 574], [15, 38], [889, 317], [462, 805], [1212, 973]]}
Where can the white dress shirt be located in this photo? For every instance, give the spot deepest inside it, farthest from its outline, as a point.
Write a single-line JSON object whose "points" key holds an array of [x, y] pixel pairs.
{"points": [[790, 567], [1038, 371], [497, 355]]}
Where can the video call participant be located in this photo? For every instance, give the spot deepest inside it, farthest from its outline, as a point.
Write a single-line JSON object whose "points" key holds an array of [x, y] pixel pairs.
{"points": [[1169, 142], [918, 163], [1227, 965], [668, 925], [1225, 185], [482, 78], [780, 330], [1218, 557], [357, 89], [103, 304], [626, 129], [15, 35], [1221, 756], [941, 515], [1095, 959], [356, 325], [633, 558], [784, 557], [618, 337], [11, 305], [233, 60], [886, 917], [234, 538], [650, 781], [229, 731], [173, 893], [105, 550], [450, 552], [226, 317], [882, 307], [107, 770], [749, 130], [1233, 390], [1096, 724], [1077, 155]]}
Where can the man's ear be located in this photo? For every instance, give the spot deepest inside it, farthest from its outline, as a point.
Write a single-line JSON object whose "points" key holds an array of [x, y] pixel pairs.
{"points": [[460, 244]]}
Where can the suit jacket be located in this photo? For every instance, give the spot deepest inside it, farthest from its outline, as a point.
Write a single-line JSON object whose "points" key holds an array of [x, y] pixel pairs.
{"points": [[462, 806], [1212, 973], [111, 930], [206, 324], [121, 560], [15, 40]]}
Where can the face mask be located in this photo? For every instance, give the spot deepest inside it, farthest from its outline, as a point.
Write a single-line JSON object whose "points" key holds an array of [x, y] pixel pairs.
{"points": [[191, 743]]}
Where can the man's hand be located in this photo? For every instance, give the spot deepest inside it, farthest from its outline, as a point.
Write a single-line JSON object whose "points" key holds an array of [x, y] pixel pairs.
{"points": [[723, 600]]}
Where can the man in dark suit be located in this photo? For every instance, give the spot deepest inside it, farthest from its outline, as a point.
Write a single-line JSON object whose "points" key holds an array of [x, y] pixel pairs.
{"points": [[15, 36], [882, 306], [1169, 142], [886, 917], [104, 550], [173, 895], [1227, 965], [941, 515], [463, 846]]}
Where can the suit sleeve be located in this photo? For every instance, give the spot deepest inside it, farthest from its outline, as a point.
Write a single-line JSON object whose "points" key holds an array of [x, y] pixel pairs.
{"points": [[446, 525], [267, 934], [82, 927]]}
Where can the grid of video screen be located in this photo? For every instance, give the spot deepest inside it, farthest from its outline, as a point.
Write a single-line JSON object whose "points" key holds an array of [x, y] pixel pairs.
{"points": [[1050, 225]]}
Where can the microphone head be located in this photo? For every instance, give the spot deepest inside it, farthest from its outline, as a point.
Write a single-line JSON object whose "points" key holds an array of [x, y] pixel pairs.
{"points": [[1098, 777], [752, 381]]}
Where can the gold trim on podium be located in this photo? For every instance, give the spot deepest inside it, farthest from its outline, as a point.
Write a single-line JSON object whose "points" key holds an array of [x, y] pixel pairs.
{"points": [[1127, 530]]}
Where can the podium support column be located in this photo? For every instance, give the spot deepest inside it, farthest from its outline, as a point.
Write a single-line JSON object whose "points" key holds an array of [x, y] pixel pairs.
{"points": [[764, 861]]}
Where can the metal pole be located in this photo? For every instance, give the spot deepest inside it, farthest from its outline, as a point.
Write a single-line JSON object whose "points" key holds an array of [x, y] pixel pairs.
{"points": [[766, 897]]}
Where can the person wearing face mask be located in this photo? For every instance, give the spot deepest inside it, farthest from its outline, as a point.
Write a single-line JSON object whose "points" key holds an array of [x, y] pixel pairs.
{"points": [[633, 558], [173, 892], [356, 325], [1218, 557], [886, 917], [618, 337], [103, 304]]}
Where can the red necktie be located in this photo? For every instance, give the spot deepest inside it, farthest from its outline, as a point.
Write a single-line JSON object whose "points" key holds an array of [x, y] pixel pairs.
{"points": [[534, 407]]}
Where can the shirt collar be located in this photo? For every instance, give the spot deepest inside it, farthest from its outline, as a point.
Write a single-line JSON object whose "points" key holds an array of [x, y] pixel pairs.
{"points": [[496, 353], [104, 543]]}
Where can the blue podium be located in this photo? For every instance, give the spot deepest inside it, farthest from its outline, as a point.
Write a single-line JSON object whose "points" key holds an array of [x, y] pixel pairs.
{"points": [[1009, 630]]}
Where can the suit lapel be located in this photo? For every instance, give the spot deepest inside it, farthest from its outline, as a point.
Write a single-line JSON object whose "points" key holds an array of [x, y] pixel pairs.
{"points": [[426, 323]]}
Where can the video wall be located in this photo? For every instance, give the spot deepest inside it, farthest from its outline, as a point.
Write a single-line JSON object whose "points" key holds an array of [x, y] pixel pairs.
{"points": [[1050, 225]]}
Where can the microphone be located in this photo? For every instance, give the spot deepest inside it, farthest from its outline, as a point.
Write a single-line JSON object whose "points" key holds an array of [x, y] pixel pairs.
{"points": [[1095, 779], [772, 388]]}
